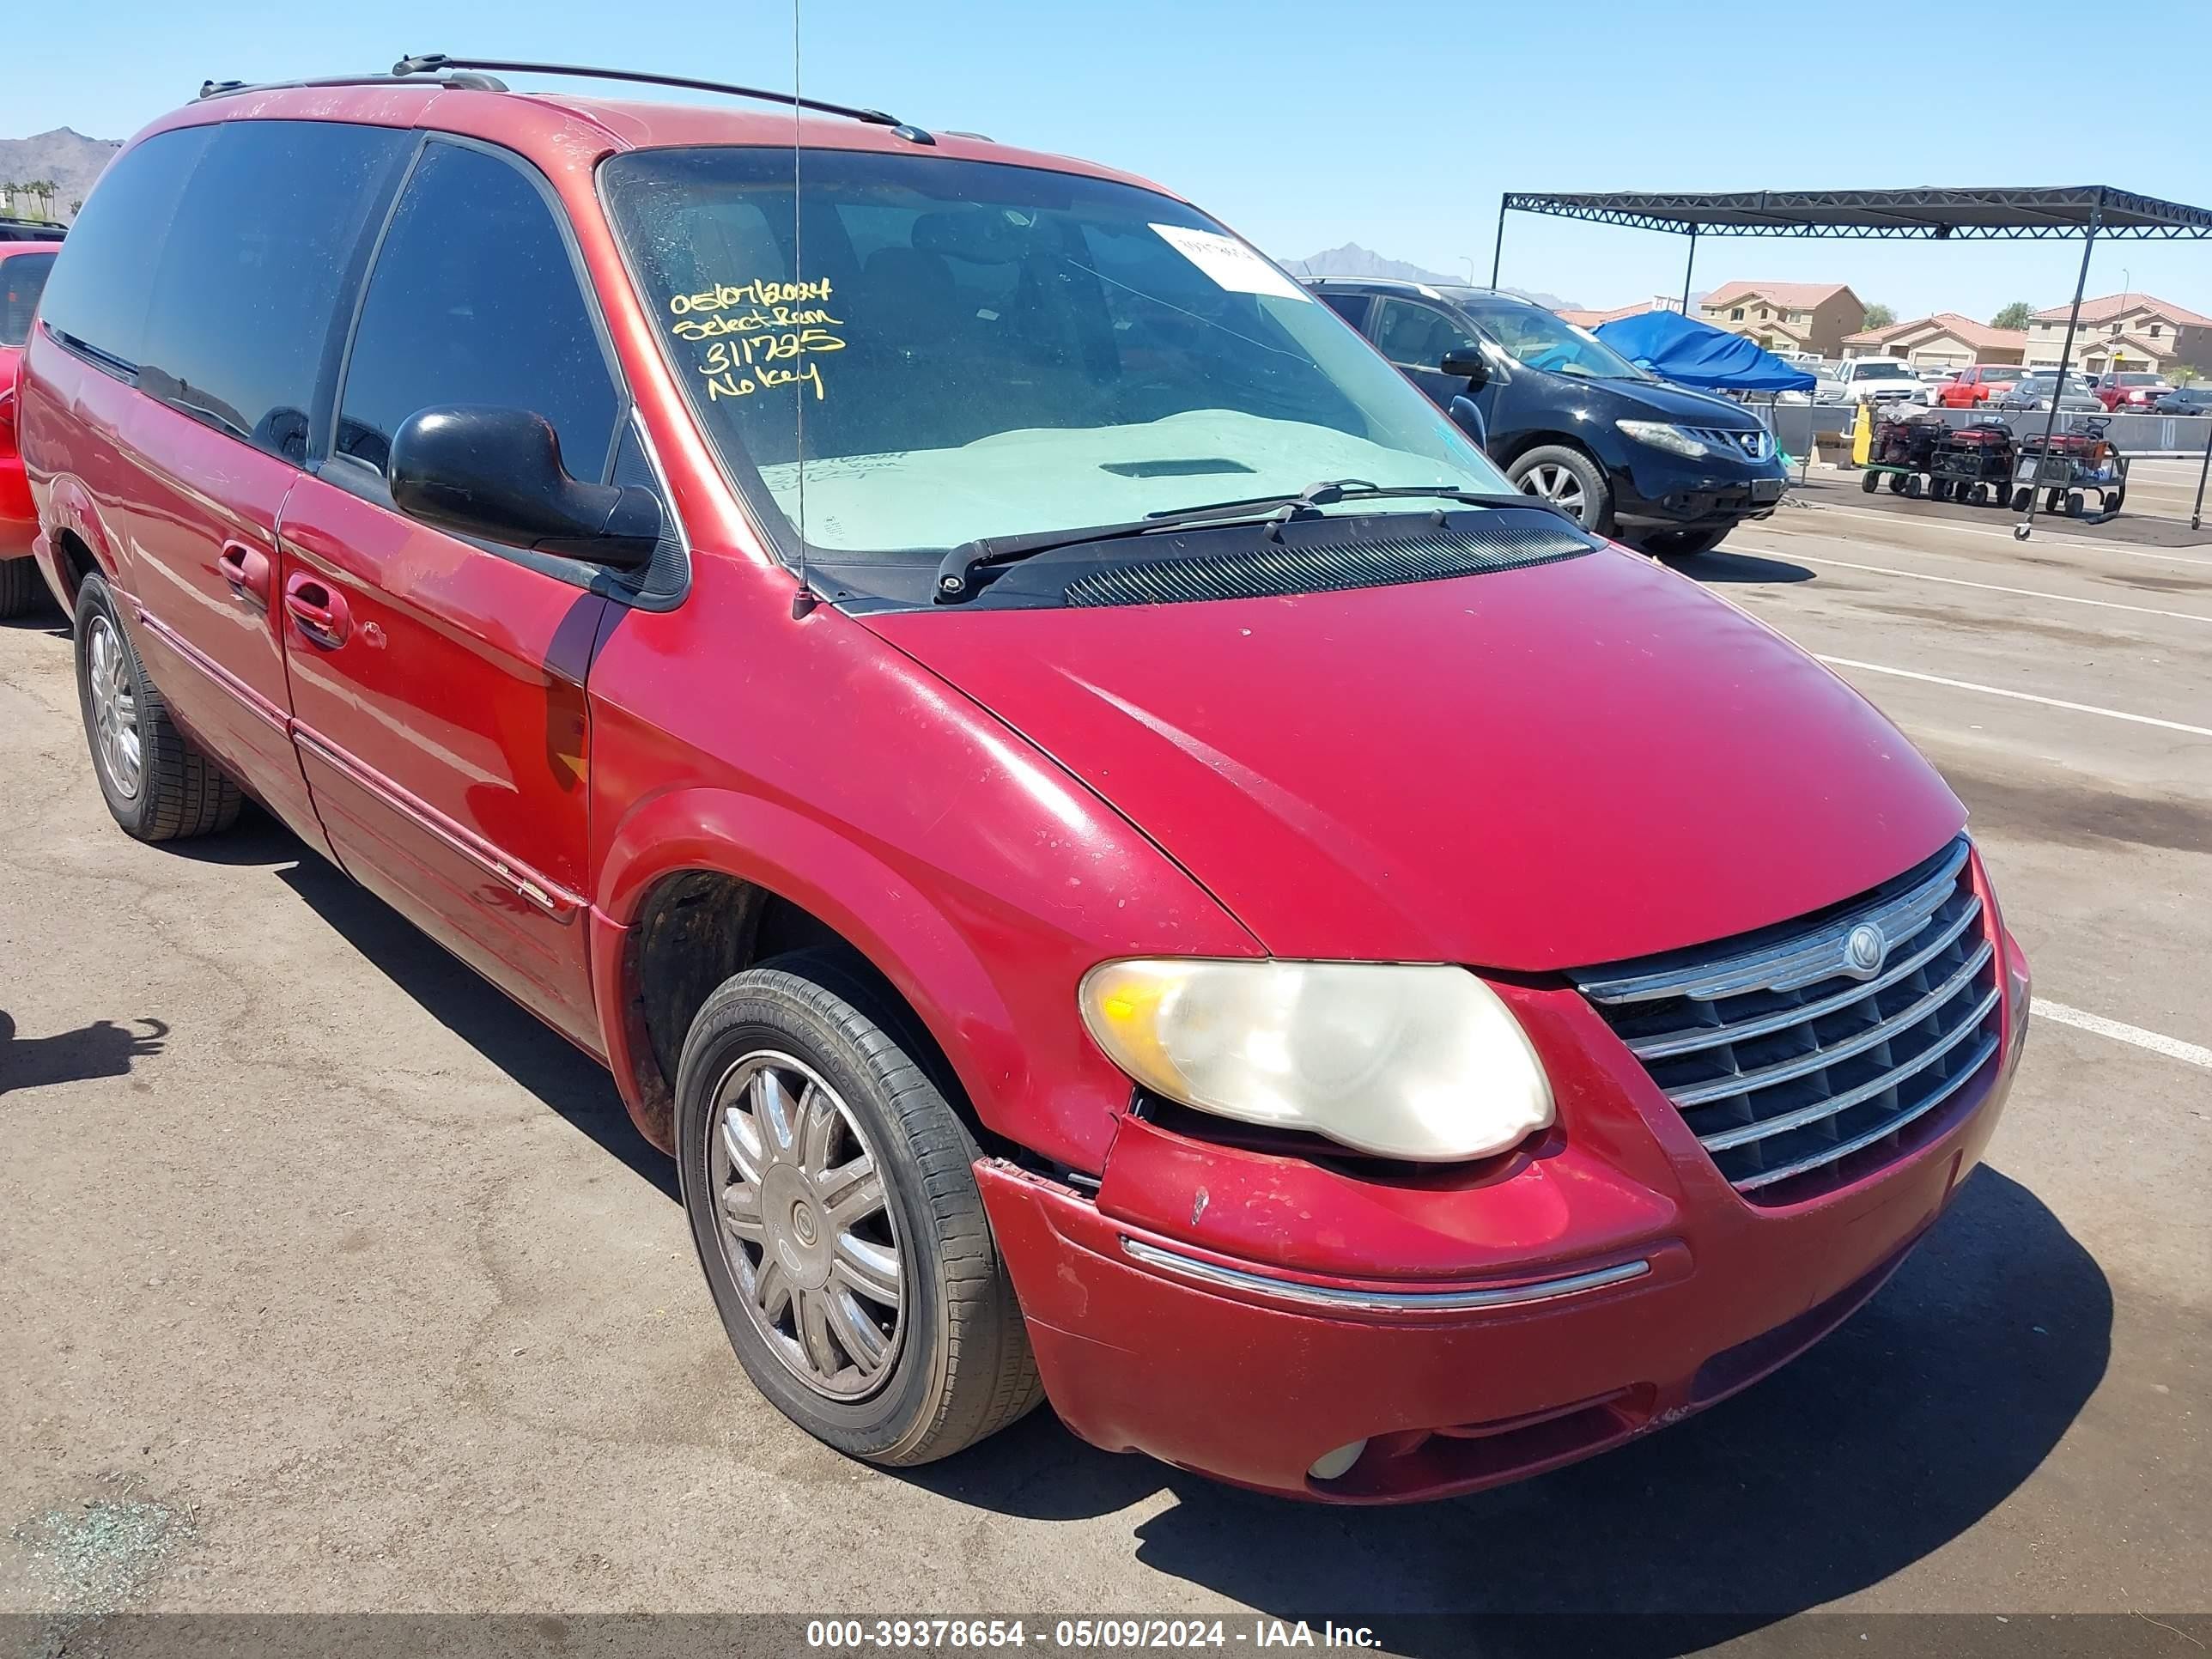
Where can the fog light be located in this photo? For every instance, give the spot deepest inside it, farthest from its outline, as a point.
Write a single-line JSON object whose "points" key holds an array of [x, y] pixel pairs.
{"points": [[1330, 1465]]}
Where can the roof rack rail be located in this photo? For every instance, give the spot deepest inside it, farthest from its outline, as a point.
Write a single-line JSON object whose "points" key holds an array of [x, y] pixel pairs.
{"points": [[437, 62], [458, 82]]}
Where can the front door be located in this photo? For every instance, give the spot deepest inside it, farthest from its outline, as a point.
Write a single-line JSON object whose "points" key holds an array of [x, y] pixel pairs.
{"points": [[438, 683], [1415, 337]]}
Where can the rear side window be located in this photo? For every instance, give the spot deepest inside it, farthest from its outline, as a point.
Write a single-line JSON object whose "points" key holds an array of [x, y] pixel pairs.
{"points": [[22, 280], [104, 278], [246, 297], [473, 301]]}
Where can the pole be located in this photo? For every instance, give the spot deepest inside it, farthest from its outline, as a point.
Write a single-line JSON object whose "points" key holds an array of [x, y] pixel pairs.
{"points": [[2196, 513], [2025, 527], [1688, 269], [1497, 250]]}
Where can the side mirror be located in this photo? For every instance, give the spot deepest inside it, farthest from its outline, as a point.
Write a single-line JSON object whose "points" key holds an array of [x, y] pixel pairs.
{"points": [[496, 474], [1467, 362]]}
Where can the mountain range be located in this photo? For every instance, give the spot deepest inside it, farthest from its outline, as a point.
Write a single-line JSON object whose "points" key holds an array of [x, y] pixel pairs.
{"points": [[1354, 260], [65, 155]]}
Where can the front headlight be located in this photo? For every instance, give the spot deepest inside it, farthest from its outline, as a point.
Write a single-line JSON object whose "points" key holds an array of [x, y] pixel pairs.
{"points": [[1659, 435], [1399, 1059]]}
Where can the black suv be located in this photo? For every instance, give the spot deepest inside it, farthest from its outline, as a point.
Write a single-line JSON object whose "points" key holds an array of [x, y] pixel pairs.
{"points": [[1626, 453]]}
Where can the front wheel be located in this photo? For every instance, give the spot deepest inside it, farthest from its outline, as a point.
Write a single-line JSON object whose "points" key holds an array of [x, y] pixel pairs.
{"points": [[1570, 481], [21, 585], [832, 1198]]}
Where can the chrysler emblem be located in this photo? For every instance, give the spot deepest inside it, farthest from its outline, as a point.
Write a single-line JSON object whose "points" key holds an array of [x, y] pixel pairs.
{"points": [[1864, 950]]}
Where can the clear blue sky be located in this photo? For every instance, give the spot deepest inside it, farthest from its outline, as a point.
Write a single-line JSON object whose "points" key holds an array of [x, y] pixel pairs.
{"points": [[1305, 125]]}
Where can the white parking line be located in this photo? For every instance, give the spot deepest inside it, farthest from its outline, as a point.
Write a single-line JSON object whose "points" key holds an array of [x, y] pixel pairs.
{"points": [[2171, 1048], [1987, 587], [2021, 696], [2042, 538]]}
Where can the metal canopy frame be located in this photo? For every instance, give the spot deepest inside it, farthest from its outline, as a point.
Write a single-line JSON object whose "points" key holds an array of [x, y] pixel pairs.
{"points": [[1930, 214]]}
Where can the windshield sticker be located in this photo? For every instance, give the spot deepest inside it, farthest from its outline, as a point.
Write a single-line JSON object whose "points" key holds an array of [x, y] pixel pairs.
{"points": [[763, 335], [1230, 262]]}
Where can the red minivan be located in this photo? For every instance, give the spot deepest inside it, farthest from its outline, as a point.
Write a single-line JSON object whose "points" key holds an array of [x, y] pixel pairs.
{"points": [[1125, 864]]}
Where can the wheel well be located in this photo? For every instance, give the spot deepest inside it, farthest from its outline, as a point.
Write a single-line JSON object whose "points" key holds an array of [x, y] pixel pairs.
{"points": [[1528, 440], [74, 560], [695, 929]]}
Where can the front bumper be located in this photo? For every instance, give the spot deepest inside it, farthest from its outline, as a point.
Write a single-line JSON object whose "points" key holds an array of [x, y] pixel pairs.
{"points": [[1688, 492], [1241, 1315]]}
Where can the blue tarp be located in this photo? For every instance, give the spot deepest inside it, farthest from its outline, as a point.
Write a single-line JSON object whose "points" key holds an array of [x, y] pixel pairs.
{"points": [[1694, 354]]}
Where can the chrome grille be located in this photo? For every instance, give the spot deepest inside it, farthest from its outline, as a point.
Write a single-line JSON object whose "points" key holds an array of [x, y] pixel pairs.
{"points": [[1789, 1050], [1755, 445]]}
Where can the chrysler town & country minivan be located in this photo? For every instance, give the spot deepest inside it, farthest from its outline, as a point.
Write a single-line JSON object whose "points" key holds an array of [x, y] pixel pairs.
{"points": [[1125, 863]]}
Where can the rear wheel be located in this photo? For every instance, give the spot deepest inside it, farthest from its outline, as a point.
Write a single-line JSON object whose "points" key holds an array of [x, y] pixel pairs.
{"points": [[1896, 484], [1939, 489], [1570, 481], [158, 783], [2021, 499], [20, 586], [832, 1197], [1684, 543], [1871, 481], [1912, 486]]}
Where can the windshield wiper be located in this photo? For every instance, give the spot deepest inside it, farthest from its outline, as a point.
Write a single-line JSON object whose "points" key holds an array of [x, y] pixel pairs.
{"points": [[957, 573]]}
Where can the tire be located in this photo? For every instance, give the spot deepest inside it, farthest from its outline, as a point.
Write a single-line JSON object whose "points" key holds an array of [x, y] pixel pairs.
{"points": [[787, 1272], [22, 587], [1896, 484], [1684, 543], [1939, 489], [1871, 481], [175, 790], [2020, 499], [1912, 489], [2075, 505], [1570, 479]]}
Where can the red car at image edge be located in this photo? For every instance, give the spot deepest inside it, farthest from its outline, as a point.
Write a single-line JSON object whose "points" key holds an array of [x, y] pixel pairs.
{"points": [[1123, 862], [23, 268]]}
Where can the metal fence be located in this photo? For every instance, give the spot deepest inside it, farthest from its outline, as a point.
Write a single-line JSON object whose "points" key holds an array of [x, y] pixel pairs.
{"points": [[1797, 426]]}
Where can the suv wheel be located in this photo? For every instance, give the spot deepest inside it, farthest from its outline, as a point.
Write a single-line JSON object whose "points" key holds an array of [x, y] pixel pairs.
{"points": [[1684, 543], [158, 785], [832, 1199], [1569, 479]]}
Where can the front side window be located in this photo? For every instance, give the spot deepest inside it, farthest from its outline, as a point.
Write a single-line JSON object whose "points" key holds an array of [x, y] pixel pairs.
{"points": [[1417, 336], [1543, 340], [23, 279], [473, 301], [957, 349]]}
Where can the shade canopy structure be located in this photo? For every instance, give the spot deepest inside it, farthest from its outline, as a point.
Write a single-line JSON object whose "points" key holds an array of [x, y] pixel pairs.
{"points": [[1694, 354], [1928, 213], [1925, 213]]}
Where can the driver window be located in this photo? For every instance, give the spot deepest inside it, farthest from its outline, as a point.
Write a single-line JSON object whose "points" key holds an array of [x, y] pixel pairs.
{"points": [[1417, 336]]}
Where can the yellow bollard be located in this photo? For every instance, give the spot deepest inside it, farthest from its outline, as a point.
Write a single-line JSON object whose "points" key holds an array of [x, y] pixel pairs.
{"points": [[1862, 436]]}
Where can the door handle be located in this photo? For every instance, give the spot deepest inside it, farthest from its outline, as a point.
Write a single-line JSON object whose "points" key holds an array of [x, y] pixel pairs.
{"points": [[316, 610], [246, 569]]}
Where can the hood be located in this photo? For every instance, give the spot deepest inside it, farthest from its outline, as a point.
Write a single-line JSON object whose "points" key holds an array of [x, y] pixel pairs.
{"points": [[1529, 769], [1665, 401]]}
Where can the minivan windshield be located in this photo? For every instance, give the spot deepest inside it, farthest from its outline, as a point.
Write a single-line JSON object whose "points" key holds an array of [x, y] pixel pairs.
{"points": [[1543, 340], [958, 349]]}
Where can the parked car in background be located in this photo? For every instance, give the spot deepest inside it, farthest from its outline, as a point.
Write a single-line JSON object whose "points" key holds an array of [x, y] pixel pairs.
{"points": [[24, 265], [1620, 450], [1869, 380], [1976, 383], [2187, 400], [2130, 393], [2035, 393], [1123, 860], [31, 230]]}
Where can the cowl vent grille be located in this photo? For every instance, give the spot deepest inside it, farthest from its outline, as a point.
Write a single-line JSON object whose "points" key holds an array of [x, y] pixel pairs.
{"points": [[1265, 572]]}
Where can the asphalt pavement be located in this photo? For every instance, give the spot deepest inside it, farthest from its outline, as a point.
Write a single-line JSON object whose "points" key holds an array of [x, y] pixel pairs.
{"points": [[335, 1285]]}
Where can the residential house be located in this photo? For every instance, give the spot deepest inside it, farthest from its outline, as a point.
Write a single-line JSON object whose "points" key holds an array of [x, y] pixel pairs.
{"points": [[1592, 318], [1946, 340], [2137, 332], [1787, 317]]}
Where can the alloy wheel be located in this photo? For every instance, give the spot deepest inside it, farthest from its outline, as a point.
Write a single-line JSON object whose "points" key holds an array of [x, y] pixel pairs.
{"points": [[114, 705], [804, 1225], [1559, 485]]}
